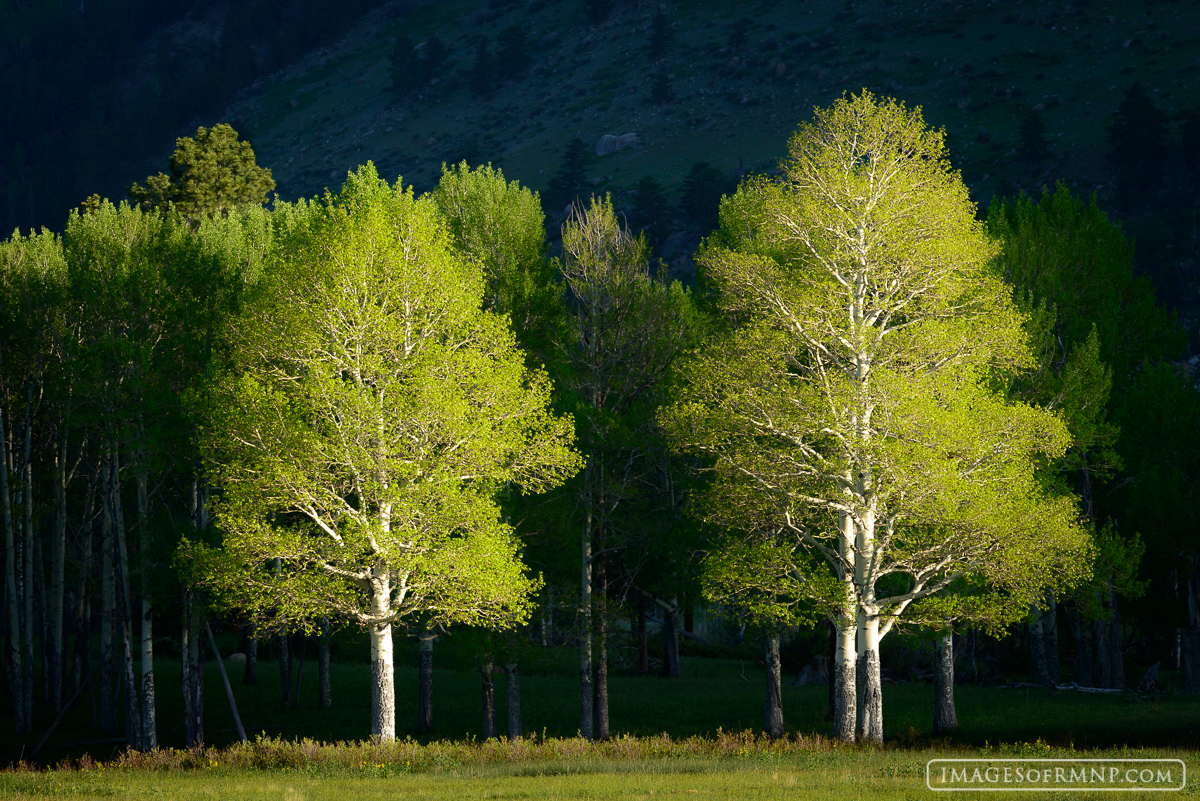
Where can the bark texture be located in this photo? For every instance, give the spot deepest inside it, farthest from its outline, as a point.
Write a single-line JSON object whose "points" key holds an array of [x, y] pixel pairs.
{"points": [[383, 684], [846, 679], [512, 689], [324, 696], [870, 698], [773, 714], [491, 730], [944, 716], [425, 684]]}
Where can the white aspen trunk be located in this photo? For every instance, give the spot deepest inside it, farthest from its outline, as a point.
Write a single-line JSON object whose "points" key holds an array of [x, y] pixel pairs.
{"points": [[185, 674], [512, 691], [21, 717], [383, 666], [773, 713], [845, 699], [586, 687], [870, 688], [149, 712], [945, 717]]}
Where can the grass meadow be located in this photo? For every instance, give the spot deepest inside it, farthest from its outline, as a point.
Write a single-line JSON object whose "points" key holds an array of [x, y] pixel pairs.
{"points": [[679, 738]]}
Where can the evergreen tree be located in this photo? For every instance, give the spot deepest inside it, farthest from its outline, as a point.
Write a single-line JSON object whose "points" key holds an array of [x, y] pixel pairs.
{"points": [[403, 65], [660, 90], [483, 70], [1137, 139], [660, 35], [701, 195], [650, 209], [571, 175], [1032, 133], [512, 57], [211, 173]]}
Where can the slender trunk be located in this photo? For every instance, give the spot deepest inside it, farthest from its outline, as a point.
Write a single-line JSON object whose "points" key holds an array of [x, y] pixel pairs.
{"points": [[1116, 641], [425, 684], [944, 717], [1100, 634], [383, 683], [845, 708], [587, 689], [195, 659], [83, 620], [58, 548], [773, 714], [237, 719], [1037, 646], [1082, 629], [547, 613], [491, 729], [250, 674], [602, 732], [324, 697], [1190, 639], [108, 673], [133, 718], [284, 657], [512, 691], [643, 651], [670, 668], [149, 712], [870, 689], [1050, 632], [16, 671], [299, 671], [27, 645]]}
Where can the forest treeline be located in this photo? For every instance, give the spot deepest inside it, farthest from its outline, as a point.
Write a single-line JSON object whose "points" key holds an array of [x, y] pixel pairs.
{"points": [[150, 67], [876, 416]]}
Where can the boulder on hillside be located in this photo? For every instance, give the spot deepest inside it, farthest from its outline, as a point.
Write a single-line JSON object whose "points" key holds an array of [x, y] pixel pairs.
{"points": [[606, 145], [627, 140]]}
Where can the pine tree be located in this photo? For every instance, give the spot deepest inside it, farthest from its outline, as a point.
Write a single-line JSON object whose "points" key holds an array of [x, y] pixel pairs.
{"points": [[650, 209], [1137, 138], [483, 70], [660, 90], [512, 57], [701, 196], [571, 175], [660, 35], [1033, 147]]}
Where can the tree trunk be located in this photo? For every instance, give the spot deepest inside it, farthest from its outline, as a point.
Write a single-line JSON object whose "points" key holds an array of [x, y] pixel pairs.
{"points": [[512, 690], [250, 675], [192, 668], [325, 698], [283, 657], [845, 709], [870, 689], [1100, 634], [1116, 641], [383, 683], [149, 712], [602, 732], [27, 644], [1190, 638], [1037, 646], [670, 632], [1082, 629], [133, 717], [108, 673], [16, 673], [299, 668], [587, 690], [773, 714], [53, 645], [944, 717], [643, 651], [425, 684], [491, 730]]}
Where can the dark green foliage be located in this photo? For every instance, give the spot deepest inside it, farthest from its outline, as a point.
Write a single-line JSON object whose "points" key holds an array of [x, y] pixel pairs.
{"points": [[403, 64], [702, 190], [660, 35], [570, 177], [650, 210], [597, 11], [660, 90], [483, 71], [211, 174], [1137, 139], [1032, 133], [512, 57]]}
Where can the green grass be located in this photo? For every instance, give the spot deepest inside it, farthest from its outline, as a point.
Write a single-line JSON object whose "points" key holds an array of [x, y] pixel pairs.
{"points": [[819, 774], [714, 693]]}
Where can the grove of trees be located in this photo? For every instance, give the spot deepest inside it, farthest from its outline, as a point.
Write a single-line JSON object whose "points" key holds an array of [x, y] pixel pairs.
{"points": [[414, 414]]}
